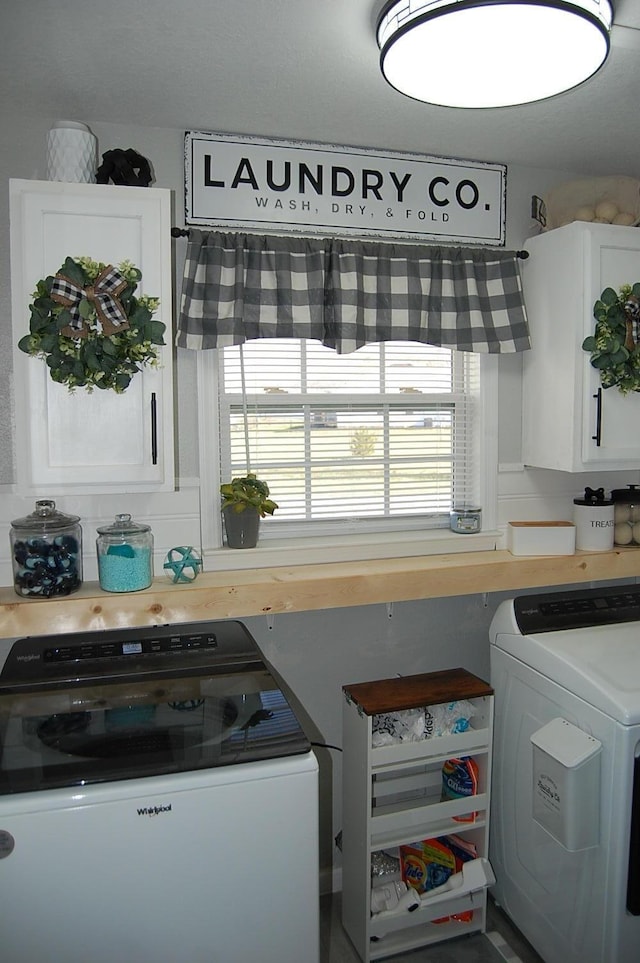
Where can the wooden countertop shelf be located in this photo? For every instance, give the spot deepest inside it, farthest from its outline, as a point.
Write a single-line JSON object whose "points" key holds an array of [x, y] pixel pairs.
{"points": [[270, 591]]}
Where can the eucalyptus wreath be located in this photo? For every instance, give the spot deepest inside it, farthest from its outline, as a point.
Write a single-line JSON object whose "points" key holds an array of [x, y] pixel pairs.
{"points": [[90, 328], [615, 347]]}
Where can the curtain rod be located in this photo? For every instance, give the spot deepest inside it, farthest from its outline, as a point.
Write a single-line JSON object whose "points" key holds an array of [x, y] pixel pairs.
{"points": [[184, 232]]}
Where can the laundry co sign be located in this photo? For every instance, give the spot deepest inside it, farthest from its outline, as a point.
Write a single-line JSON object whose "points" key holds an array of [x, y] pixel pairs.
{"points": [[242, 182]]}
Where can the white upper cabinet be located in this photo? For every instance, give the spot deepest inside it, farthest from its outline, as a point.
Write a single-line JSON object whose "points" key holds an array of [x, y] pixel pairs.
{"points": [[80, 442], [570, 422]]}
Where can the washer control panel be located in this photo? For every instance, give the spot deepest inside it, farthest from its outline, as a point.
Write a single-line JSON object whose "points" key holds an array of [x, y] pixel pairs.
{"points": [[114, 654], [129, 647]]}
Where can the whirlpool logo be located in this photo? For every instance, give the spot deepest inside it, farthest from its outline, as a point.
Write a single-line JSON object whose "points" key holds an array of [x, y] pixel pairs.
{"points": [[154, 810]]}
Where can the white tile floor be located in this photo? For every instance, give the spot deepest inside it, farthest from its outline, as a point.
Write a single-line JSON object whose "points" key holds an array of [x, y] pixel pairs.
{"points": [[505, 943]]}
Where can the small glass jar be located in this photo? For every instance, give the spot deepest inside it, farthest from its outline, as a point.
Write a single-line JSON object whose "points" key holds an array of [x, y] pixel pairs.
{"points": [[46, 552], [626, 515], [465, 519], [125, 556]]}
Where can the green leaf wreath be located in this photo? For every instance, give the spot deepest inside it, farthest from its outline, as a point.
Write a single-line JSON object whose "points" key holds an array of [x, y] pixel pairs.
{"points": [[89, 327], [615, 347]]}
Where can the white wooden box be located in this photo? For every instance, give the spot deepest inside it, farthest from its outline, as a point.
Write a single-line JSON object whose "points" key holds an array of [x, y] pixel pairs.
{"points": [[541, 538]]}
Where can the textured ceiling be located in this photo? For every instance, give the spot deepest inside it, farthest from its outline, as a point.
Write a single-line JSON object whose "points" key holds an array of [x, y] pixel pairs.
{"points": [[296, 69]]}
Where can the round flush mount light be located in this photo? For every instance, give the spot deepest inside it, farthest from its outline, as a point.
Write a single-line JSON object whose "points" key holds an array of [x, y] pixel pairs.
{"points": [[491, 53]]}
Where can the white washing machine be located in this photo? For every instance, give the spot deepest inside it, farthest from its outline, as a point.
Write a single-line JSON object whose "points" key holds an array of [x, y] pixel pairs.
{"points": [[565, 813], [158, 802]]}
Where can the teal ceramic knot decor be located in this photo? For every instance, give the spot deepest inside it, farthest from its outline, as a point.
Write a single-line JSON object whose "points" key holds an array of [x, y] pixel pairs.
{"points": [[182, 564]]}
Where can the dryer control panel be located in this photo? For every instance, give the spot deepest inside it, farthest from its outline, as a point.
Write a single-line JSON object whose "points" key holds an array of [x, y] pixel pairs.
{"points": [[555, 611]]}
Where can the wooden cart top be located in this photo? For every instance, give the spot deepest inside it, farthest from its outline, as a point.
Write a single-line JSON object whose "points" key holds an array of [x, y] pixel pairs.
{"points": [[414, 691]]}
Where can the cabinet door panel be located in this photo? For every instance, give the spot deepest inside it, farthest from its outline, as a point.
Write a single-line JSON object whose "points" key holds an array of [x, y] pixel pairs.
{"points": [[114, 437], [611, 265], [97, 441], [569, 422]]}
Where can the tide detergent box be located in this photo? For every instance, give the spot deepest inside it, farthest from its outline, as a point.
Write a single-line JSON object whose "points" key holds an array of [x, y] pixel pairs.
{"points": [[430, 862]]}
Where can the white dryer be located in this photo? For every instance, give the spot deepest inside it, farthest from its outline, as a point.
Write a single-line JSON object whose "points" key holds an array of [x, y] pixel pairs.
{"points": [[568, 662]]}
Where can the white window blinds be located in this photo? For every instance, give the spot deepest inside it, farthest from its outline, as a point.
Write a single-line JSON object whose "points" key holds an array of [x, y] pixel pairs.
{"points": [[379, 436]]}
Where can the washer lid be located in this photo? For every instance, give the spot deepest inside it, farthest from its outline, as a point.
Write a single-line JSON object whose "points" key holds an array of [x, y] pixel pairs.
{"points": [[600, 664], [121, 704]]}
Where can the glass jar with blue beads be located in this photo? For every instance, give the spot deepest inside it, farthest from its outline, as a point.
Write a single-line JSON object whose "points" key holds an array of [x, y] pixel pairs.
{"points": [[46, 552], [125, 555]]}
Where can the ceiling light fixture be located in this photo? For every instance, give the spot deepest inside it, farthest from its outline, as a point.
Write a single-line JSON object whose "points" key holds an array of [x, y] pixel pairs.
{"points": [[491, 53]]}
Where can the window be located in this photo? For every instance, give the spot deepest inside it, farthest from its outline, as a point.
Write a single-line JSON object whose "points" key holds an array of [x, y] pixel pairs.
{"points": [[387, 438], [382, 439]]}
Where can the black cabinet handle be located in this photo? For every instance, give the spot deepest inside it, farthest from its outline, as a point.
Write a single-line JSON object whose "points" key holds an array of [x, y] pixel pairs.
{"points": [[154, 430], [598, 435]]}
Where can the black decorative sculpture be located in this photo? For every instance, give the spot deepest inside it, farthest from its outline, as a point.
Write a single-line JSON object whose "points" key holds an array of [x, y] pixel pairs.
{"points": [[125, 167]]}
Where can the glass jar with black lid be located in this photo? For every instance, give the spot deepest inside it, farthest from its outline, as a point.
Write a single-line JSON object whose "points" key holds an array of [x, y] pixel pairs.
{"points": [[626, 513]]}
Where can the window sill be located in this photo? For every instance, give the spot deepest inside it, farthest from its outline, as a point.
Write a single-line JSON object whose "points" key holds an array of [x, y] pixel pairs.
{"points": [[273, 552]]}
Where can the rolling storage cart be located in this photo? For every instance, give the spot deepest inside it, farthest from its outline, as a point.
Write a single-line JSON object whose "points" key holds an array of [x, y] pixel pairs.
{"points": [[392, 797]]}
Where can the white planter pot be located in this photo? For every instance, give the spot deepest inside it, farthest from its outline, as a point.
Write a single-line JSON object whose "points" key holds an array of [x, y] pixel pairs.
{"points": [[72, 153]]}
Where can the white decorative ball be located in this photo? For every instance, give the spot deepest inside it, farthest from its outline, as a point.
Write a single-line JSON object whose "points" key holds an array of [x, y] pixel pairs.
{"points": [[624, 219], [622, 534], [585, 213], [621, 512], [607, 210]]}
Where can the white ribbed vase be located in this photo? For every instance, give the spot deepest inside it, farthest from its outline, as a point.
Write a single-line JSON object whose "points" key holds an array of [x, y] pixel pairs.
{"points": [[72, 153]]}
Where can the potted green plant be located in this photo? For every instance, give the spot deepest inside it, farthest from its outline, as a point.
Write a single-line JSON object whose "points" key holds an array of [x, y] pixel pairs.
{"points": [[245, 501]]}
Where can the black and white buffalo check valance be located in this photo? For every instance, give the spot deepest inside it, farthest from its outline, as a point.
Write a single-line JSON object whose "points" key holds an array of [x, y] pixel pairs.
{"points": [[345, 294]]}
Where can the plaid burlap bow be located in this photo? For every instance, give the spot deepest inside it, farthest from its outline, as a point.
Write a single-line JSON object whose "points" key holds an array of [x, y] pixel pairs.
{"points": [[103, 294]]}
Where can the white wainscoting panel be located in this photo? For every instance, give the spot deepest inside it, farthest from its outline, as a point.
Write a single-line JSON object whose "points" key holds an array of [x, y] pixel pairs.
{"points": [[174, 518]]}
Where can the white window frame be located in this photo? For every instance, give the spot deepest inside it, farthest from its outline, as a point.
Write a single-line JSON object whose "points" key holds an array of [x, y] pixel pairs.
{"points": [[276, 551]]}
